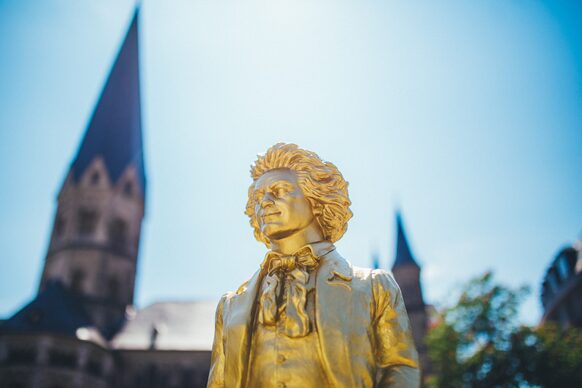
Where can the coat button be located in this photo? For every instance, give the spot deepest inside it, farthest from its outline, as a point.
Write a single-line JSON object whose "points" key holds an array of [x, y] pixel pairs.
{"points": [[281, 359], [281, 385]]}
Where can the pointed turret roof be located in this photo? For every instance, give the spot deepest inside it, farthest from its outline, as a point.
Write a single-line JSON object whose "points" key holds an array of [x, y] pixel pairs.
{"points": [[403, 252], [114, 132]]}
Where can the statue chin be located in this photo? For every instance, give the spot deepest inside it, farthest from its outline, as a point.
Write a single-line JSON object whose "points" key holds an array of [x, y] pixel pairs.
{"points": [[273, 233]]}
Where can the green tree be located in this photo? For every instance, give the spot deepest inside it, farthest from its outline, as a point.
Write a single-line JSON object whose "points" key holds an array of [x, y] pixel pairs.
{"points": [[479, 343]]}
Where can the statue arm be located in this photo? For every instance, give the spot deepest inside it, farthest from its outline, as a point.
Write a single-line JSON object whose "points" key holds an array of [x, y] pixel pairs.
{"points": [[216, 376], [396, 356]]}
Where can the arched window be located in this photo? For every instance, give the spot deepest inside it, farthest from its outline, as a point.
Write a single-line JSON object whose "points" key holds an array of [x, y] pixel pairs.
{"points": [[95, 178], [87, 221], [128, 189], [118, 233], [59, 226], [22, 356], [62, 358], [77, 278], [94, 367], [113, 288]]}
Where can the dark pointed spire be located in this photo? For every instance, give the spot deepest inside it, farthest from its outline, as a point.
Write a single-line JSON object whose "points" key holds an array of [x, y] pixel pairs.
{"points": [[403, 253], [114, 132]]}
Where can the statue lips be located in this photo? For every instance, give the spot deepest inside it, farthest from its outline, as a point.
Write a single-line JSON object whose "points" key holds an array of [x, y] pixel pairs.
{"points": [[269, 214]]}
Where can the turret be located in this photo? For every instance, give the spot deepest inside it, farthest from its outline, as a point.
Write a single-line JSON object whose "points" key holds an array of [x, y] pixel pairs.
{"points": [[94, 243], [407, 274]]}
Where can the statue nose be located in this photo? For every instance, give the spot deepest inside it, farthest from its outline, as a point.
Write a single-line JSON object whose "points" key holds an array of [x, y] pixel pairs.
{"points": [[268, 200]]}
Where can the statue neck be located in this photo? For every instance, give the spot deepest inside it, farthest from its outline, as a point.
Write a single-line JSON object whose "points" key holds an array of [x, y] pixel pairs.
{"points": [[292, 243]]}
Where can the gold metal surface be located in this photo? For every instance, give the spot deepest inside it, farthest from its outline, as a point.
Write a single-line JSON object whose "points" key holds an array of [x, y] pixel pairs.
{"points": [[307, 317]]}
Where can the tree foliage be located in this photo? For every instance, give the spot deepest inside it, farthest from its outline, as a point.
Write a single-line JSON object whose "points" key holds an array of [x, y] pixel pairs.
{"points": [[479, 343]]}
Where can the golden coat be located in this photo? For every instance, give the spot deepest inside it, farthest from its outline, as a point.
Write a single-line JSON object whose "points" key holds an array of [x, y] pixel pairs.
{"points": [[363, 329]]}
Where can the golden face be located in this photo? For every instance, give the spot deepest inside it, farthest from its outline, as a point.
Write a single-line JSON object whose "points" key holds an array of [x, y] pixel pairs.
{"points": [[281, 209]]}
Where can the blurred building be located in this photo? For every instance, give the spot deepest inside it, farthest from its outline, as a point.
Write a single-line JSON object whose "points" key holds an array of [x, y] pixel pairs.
{"points": [[562, 288], [81, 329], [407, 274]]}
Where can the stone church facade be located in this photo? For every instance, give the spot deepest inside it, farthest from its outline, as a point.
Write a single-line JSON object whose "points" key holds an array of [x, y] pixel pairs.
{"points": [[81, 329]]}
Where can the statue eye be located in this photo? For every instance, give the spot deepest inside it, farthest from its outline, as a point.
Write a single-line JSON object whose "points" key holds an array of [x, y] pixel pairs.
{"points": [[280, 191], [258, 196]]}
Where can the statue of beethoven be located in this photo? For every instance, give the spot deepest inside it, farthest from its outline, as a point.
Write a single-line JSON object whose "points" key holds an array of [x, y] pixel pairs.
{"points": [[307, 317]]}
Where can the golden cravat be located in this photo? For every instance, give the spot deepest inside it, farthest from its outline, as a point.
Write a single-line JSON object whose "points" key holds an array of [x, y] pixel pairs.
{"points": [[289, 302]]}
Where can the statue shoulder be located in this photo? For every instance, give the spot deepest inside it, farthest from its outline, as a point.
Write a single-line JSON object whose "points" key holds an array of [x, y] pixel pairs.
{"points": [[240, 289], [385, 289], [380, 281], [223, 300], [384, 279], [226, 296], [380, 276]]}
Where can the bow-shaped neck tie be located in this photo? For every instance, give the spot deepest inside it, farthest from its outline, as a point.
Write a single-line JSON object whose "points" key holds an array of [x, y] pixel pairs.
{"points": [[293, 269], [304, 258]]}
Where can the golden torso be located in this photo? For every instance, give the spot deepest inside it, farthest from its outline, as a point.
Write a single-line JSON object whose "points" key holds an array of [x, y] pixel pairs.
{"points": [[278, 360]]}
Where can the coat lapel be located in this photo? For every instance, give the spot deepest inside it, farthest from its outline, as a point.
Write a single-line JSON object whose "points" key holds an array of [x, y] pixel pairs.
{"points": [[238, 318], [333, 318]]}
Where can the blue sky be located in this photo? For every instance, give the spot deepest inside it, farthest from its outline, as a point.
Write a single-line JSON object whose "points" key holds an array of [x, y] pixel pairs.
{"points": [[467, 115]]}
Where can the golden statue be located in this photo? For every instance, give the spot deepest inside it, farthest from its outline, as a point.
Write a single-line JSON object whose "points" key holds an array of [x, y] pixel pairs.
{"points": [[307, 317]]}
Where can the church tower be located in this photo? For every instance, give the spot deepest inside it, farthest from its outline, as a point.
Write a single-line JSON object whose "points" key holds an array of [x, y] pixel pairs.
{"points": [[407, 274], [94, 242]]}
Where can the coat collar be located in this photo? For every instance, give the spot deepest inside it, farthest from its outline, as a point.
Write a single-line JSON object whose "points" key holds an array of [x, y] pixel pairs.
{"points": [[319, 249]]}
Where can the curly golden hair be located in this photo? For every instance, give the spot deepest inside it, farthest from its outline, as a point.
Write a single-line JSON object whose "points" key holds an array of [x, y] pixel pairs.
{"points": [[321, 182]]}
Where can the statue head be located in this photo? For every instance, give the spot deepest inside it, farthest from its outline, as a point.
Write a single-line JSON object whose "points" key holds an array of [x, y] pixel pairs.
{"points": [[323, 195]]}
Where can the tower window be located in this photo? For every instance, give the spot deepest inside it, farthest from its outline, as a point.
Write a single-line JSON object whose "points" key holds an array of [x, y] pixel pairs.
{"points": [[22, 356], [118, 233], [63, 359], [113, 288], [128, 189], [94, 367], [59, 226], [95, 178], [77, 278], [87, 222]]}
